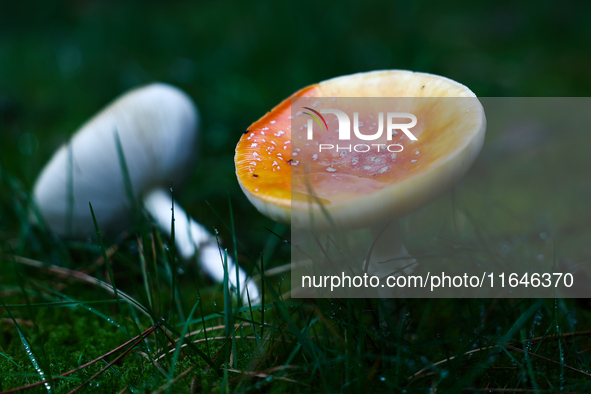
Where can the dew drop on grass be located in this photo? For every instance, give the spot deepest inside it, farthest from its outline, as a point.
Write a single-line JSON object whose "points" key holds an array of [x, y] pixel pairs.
{"points": [[33, 361]]}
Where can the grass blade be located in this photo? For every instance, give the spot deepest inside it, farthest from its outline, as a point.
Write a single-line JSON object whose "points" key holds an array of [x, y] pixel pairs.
{"points": [[104, 253], [180, 342], [29, 350]]}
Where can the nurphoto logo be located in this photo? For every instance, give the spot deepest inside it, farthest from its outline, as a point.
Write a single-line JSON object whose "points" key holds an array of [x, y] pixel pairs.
{"points": [[344, 129]]}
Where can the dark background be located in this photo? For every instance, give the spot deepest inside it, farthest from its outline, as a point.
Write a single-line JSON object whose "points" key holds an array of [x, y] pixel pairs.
{"points": [[525, 198], [60, 62]]}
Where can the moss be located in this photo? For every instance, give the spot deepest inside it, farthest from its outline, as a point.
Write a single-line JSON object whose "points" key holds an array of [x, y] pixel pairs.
{"points": [[237, 59]]}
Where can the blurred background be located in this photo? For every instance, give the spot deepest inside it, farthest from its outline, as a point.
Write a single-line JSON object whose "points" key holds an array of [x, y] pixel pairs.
{"points": [[62, 61]]}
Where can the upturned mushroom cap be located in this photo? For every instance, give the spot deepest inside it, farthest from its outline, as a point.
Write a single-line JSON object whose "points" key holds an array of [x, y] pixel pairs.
{"points": [[450, 135], [157, 127]]}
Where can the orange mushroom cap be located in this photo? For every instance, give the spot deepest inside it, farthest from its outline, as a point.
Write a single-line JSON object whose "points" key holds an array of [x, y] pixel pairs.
{"points": [[359, 189]]}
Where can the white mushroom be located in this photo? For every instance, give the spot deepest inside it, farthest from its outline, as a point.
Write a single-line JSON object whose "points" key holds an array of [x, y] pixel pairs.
{"points": [[157, 126]]}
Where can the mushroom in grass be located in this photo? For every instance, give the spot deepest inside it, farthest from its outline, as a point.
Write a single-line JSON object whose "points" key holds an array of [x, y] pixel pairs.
{"points": [[278, 168], [150, 133]]}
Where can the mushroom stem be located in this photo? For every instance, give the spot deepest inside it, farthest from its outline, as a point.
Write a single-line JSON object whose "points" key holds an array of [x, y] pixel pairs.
{"points": [[190, 237], [388, 254]]}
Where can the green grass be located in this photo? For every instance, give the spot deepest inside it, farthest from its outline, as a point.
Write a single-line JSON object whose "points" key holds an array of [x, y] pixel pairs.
{"points": [[60, 62], [67, 318]]}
